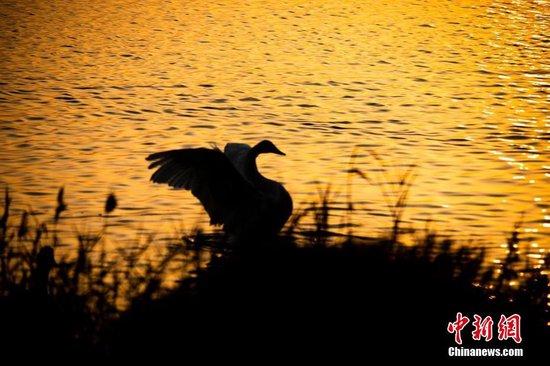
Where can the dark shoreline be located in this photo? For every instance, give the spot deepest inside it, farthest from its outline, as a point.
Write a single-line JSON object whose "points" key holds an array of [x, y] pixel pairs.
{"points": [[327, 297]]}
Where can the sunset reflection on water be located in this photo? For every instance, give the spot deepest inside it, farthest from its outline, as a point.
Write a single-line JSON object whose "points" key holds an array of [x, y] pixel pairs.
{"points": [[458, 89]]}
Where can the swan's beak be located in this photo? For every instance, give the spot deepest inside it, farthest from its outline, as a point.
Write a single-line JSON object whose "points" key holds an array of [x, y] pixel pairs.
{"points": [[277, 151]]}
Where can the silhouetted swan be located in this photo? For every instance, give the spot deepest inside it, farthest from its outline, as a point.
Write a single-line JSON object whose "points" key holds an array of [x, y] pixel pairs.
{"points": [[229, 186]]}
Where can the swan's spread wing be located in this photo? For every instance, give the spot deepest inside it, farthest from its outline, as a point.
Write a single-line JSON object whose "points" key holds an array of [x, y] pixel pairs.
{"points": [[210, 177], [237, 153]]}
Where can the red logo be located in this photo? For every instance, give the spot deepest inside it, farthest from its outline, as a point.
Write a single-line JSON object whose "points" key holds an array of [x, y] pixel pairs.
{"points": [[483, 328], [457, 327], [508, 327]]}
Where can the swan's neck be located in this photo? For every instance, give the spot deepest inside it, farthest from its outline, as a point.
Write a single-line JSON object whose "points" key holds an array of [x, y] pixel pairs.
{"points": [[251, 168]]}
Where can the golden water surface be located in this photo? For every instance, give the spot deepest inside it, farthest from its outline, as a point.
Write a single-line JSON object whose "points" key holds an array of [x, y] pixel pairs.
{"points": [[457, 88]]}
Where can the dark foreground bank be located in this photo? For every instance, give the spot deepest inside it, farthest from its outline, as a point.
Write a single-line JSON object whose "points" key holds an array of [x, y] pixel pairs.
{"points": [[339, 300], [348, 302]]}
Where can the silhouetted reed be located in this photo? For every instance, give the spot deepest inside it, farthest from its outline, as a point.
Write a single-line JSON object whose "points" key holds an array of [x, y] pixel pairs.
{"points": [[133, 301], [75, 293], [395, 190]]}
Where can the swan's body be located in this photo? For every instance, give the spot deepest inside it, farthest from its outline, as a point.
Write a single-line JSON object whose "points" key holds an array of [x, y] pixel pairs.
{"points": [[229, 186]]}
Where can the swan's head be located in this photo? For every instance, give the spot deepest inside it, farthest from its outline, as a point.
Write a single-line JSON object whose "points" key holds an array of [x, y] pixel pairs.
{"points": [[266, 146]]}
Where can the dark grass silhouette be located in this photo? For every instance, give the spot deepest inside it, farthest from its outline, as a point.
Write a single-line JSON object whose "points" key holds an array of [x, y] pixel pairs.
{"points": [[347, 301], [305, 295], [59, 305]]}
